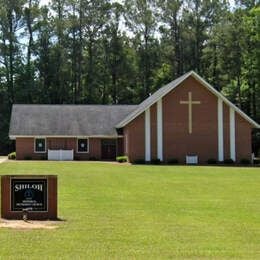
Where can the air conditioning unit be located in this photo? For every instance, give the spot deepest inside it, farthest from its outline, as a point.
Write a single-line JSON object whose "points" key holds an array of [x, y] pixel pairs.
{"points": [[191, 159]]}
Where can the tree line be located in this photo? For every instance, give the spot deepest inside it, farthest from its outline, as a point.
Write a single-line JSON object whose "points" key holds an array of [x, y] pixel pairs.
{"points": [[119, 52]]}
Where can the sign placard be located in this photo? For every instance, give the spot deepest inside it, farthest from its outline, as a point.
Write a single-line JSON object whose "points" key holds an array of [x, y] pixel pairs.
{"points": [[30, 194]]}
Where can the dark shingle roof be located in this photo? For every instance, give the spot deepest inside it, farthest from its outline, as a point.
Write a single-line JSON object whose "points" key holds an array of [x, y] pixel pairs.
{"points": [[67, 120]]}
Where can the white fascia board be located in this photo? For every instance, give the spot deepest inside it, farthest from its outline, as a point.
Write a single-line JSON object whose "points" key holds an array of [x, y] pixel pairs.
{"points": [[232, 132], [13, 137], [159, 130], [220, 131], [147, 135]]}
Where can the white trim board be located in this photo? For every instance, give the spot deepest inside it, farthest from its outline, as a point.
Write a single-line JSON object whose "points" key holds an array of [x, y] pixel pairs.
{"points": [[220, 131], [172, 85], [147, 135], [13, 137], [159, 130], [232, 132]]}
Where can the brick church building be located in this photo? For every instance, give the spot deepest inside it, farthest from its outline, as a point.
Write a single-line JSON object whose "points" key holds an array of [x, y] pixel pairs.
{"points": [[186, 119]]}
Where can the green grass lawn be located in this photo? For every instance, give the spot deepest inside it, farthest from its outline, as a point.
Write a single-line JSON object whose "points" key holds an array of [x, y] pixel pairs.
{"points": [[143, 212]]}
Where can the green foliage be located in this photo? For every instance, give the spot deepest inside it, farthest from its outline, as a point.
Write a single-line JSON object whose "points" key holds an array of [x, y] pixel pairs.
{"points": [[212, 161], [173, 161], [93, 158], [156, 161], [140, 161], [27, 157], [228, 161], [245, 161], [12, 156], [122, 159]]}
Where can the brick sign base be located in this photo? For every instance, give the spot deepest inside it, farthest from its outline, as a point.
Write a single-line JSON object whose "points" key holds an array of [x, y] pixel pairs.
{"points": [[37, 194]]}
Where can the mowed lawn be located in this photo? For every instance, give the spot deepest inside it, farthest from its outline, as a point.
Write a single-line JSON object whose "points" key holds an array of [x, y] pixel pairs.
{"points": [[143, 212]]}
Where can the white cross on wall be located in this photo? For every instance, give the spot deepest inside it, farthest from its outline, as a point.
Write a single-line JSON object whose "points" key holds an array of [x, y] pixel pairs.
{"points": [[190, 103]]}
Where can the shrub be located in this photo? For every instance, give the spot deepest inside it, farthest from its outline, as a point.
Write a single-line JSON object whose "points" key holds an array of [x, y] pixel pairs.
{"points": [[27, 157], [156, 161], [173, 161], [212, 161], [92, 158], [228, 161], [139, 161], [245, 161], [256, 161], [12, 156], [122, 159]]}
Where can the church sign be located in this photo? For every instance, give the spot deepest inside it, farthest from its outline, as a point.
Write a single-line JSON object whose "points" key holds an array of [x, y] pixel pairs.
{"points": [[34, 194], [29, 194]]}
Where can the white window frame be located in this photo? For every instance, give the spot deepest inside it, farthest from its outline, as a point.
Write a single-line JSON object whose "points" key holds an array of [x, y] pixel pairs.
{"points": [[35, 145], [80, 138]]}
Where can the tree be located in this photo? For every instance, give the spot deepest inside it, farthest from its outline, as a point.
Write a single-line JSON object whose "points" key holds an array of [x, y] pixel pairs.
{"points": [[170, 15], [96, 16], [61, 86], [140, 19], [10, 23]]}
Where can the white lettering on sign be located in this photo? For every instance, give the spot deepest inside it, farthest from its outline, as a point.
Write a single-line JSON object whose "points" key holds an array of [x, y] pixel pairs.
{"points": [[28, 186]]}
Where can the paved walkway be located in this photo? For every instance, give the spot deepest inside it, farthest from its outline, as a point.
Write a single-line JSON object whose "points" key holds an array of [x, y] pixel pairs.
{"points": [[3, 159]]}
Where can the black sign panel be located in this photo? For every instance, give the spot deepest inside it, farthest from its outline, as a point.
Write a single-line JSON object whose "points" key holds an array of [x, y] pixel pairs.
{"points": [[30, 194]]}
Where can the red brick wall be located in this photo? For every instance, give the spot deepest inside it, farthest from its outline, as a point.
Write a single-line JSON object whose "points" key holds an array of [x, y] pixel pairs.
{"points": [[243, 138], [25, 148], [177, 142], [153, 111], [120, 147], [226, 132], [134, 137], [94, 149]]}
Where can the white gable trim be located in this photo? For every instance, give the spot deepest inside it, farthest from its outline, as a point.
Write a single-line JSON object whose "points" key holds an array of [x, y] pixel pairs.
{"points": [[159, 130], [147, 135], [232, 132], [13, 137], [220, 131], [155, 97]]}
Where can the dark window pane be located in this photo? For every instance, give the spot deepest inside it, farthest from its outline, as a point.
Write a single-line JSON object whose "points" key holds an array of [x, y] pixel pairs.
{"points": [[82, 145], [40, 145]]}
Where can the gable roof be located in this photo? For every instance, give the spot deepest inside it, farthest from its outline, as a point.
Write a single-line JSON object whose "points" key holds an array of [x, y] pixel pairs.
{"points": [[172, 85], [67, 120]]}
